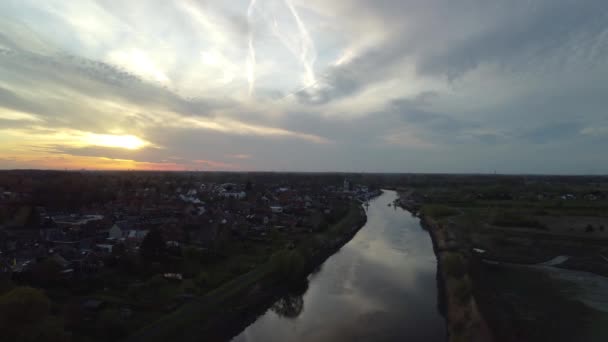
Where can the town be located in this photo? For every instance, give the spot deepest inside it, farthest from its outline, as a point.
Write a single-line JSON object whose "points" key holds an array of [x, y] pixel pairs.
{"points": [[149, 256], [114, 251]]}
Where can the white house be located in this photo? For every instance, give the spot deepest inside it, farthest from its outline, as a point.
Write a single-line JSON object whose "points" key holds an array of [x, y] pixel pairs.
{"points": [[277, 209], [116, 232], [137, 235]]}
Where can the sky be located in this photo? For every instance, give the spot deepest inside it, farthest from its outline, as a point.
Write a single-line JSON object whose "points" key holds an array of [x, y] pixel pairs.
{"points": [[471, 86]]}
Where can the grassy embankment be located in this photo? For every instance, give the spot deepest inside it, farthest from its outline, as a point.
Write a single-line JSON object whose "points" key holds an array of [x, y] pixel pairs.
{"points": [[231, 305], [464, 321]]}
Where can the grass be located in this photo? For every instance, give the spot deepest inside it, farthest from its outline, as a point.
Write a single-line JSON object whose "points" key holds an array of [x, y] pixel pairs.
{"points": [[530, 303], [516, 219], [548, 207], [438, 211]]}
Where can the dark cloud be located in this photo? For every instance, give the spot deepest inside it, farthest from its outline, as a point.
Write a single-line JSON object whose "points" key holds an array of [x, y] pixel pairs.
{"points": [[9, 99], [517, 38], [438, 126], [551, 133], [17, 124], [537, 31], [337, 83], [151, 155]]}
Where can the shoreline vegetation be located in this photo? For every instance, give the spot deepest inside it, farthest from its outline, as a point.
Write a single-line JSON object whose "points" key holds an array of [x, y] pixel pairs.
{"points": [[464, 320], [227, 310]]}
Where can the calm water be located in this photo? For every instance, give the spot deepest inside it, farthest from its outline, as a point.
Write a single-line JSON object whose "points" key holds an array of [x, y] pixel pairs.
{"points": [[381, 286]]}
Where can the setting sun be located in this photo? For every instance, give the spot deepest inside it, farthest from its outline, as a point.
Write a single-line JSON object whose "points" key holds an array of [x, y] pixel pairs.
{"points": [[129, 142]]}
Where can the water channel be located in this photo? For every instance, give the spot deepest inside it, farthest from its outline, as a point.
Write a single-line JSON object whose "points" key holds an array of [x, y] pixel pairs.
{"points": [[381, 286]]}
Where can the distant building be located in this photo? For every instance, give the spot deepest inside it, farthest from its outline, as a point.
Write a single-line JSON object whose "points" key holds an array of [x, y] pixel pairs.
{"points": [[346, 185], [234, 194], [75, 220], [105, 247], [117, 231], [136, 235], [277, 209]]}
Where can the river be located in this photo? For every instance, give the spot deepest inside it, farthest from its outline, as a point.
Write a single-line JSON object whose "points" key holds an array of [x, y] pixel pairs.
{"points": [[381, 286]]}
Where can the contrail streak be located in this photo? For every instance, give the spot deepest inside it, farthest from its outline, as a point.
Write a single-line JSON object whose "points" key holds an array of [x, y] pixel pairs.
{"points": [[308, 54], [306, 87], [251, 55]]}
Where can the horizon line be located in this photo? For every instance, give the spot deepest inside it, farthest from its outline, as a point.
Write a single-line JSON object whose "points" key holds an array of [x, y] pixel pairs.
{"points": [[319, 172]]}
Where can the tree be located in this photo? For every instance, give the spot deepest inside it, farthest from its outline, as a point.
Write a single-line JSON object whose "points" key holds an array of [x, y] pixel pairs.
{"points": [[153, 246], [191, 261], [289, 306], [119, 250], [322, 226], [33, 219], [22, 306], [202, 279], [289, 265], [46, 273], [155, 291], [24, 316], [74, 314]]}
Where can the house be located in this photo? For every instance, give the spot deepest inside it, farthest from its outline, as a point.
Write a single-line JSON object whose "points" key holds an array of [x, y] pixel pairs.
{"points": [[190, 199], [75, 220], [60, 260], [346, 185], [172, 244], [117, 231], [136, 235], [234, 194], [6, 195], [568, 197], [105, 247], [173, 276]]}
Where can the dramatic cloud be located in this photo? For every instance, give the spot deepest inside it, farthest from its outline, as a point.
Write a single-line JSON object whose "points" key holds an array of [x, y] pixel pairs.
{"points": [[351, 85]]}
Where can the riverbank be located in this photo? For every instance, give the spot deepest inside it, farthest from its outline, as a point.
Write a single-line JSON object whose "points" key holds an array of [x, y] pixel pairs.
{"points": [[463, 317], [454, 264], [493, 270], [228, 309]]}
